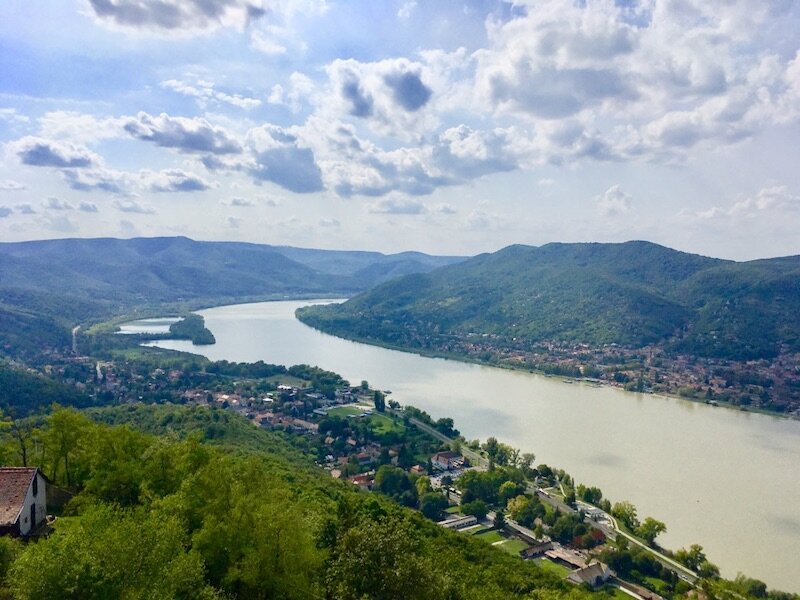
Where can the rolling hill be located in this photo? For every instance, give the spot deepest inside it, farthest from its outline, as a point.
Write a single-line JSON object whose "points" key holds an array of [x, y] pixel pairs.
{"points": [[47, 286], [633, 294]]}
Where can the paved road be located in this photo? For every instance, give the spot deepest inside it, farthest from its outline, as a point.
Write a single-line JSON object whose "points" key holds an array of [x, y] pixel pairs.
{"points": [[614, 530], [475, 458]]}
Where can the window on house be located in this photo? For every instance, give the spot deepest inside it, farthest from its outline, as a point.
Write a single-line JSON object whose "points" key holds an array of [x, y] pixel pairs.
{"points": [[35, 484]]}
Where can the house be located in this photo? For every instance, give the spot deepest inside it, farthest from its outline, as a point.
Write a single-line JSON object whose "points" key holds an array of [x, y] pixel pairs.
{"points": [[364, 481], [595, 575], [23, 505], [537, 549], [445, 461], [459, 522]]}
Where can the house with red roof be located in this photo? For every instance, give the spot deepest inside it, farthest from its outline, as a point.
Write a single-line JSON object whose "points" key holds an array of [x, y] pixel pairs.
{"points": [[23, 505]]}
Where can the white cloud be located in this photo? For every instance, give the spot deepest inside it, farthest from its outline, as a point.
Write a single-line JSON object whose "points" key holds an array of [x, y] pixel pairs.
{"points": [[205, 93], [5, 211], [79, 127], [25, 208], [397, 206], [9, 185], [132, 206], [614, 202], [238, 202], [183, 134], [53, 203], [87, 207], [40, 152]]}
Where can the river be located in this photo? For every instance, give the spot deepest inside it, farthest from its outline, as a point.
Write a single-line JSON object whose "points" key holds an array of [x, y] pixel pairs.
{"points": [[725, 479]]}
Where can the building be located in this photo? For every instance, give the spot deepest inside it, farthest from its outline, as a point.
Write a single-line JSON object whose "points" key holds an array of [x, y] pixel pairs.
{"points": [[459, 522], [595, 575], [445, 461], [23, 505]]}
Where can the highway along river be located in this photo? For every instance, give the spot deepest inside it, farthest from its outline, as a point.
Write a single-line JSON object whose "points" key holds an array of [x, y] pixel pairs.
{"points": [[725, 479]]}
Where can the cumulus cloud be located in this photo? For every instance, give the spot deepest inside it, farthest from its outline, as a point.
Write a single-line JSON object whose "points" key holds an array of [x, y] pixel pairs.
{"points": [[772, 200], [238, 202], [172, 180], [5, 212], [234, 222], [106, 180], [397, 206], [330, 223], [60, 222], [639, 80], [174, 15], [87, 207], [53, 203], [9, 185], [205, 93], [79, 127], [391, 96], [183, 134], [293, 96], [25, 208], [40, 152], [614, 202], [280, 157], [132, 206]]}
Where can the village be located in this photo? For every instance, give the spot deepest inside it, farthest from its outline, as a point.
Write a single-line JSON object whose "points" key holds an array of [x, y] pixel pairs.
{"points": [[380, 446], [365, 438]]}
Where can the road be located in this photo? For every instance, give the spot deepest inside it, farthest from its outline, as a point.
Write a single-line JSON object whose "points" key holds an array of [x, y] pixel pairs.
{"points": [[476, 459]]}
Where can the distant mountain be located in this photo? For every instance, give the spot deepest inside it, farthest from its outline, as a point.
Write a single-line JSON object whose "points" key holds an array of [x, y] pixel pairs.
{"points": [[47, 285], [636, 293]]}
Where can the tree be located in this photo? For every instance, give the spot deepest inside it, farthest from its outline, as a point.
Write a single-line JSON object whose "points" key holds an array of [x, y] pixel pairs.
{"points": [[650, 529], [499, 519], [509, 490], [380, 401], [526, 463], [432, 504], [477, 508], [626, 512], [423, 485]]}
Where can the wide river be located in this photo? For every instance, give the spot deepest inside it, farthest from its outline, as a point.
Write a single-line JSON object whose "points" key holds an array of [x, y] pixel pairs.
{"points": [[725, 479]]}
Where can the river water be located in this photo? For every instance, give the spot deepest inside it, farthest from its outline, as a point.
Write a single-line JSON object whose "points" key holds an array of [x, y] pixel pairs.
{"points": [[725, 479]]}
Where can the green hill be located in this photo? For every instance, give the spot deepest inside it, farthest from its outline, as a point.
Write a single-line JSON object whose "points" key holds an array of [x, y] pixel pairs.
{"points": [[633, 294], [48, 286]]}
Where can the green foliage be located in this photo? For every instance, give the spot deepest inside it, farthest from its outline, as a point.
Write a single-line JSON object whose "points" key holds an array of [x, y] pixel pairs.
{"points": [[633, 294], [23, 392], [192, 327]]}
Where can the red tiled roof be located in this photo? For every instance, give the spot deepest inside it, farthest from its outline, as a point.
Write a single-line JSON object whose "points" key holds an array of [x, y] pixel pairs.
{"points": [[14, 483]]}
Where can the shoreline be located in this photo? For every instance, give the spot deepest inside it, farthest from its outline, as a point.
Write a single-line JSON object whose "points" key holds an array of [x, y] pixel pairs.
{"points": [[598, 382]]}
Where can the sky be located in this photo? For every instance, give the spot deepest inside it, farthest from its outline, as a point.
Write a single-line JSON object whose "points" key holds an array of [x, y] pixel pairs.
{"points": [[441, 126]]}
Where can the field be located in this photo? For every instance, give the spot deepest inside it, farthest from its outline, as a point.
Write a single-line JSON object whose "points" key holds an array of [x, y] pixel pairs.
{"points": [[490, 536], [345, 411], [384, 424], [512, 546], [549, 565]]}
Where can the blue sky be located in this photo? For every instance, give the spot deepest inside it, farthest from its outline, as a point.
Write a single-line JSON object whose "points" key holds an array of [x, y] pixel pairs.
{"points": [[446, 127]]}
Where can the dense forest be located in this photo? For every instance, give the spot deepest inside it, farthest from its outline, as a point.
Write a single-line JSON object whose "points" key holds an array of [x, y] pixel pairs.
{"points": [[247, 516], [49, 286], [632, 294]]}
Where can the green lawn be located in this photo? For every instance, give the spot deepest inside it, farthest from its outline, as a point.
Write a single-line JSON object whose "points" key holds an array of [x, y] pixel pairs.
{"points": [[453, 510], [549, 565], [475, 530], [288, 380], [384, 424], [490, 536], [344, 411], [512, 546]]}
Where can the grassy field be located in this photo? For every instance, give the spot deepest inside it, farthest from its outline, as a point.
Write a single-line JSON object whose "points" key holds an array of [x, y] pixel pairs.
{"points": [[286, 379], [490, 536], [453, 510], [549, 565], [384, 424], [512, 546], [344, 411]]}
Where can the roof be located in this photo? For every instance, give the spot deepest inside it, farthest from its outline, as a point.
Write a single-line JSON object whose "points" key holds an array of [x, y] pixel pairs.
{"points": [[445, 455], [14, 484], [589, 573]]}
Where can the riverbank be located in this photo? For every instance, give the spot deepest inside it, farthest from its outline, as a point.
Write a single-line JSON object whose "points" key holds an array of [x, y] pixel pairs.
{"points": [[463, 358]]}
